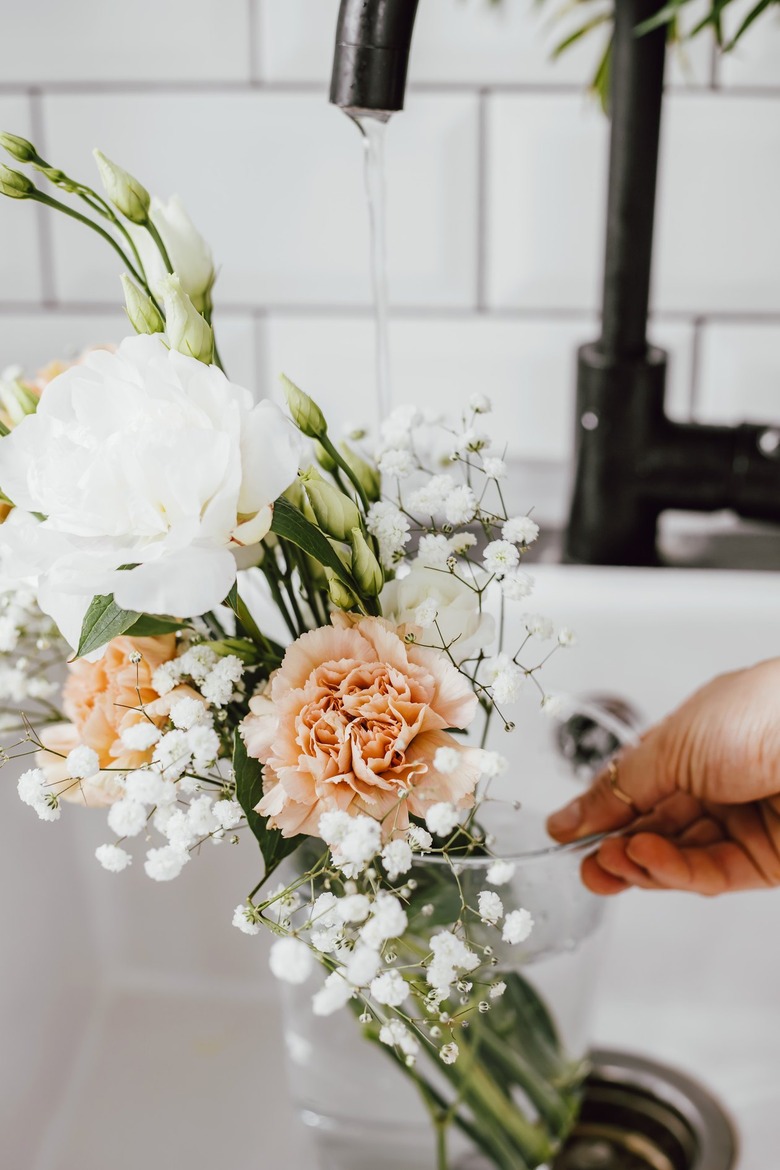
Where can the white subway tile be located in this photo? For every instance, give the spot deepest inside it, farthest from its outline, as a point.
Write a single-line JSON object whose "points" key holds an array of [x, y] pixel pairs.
{"points": [[755, 60], [32, 340], [526, 366], [91, 40], [718, 238], [20, 263], [740, 373], [465, 41], [454, 41], [546, 177], [275, 181]]}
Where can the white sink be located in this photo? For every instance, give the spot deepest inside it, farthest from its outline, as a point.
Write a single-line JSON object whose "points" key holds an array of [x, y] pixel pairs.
{"points": [[140, 1029]]}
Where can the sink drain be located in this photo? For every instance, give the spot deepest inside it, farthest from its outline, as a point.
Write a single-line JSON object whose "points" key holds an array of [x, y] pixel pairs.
{"points": [[640, 1115]]}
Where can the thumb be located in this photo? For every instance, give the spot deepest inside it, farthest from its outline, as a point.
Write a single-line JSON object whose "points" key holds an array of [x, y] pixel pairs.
{"points": [[641, 775]]}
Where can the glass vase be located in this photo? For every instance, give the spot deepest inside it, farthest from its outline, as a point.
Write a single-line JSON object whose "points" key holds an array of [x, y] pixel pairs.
{"points": [[511, 1097], [514, 1090]]}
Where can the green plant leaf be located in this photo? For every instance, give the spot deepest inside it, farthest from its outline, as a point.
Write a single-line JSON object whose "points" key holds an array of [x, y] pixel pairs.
{"points": [[148, 626], [248, 774], [103, 621], [291, 524], [580, 32], [231, 601], [746, 23]]}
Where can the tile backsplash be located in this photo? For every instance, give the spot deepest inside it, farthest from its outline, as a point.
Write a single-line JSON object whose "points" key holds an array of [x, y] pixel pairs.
{"points": [[496, 178]]}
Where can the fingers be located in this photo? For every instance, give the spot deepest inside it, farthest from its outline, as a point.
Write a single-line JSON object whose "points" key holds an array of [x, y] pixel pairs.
{"points": [[600, 880], [650, 861], [641, 776], [610, 870]]}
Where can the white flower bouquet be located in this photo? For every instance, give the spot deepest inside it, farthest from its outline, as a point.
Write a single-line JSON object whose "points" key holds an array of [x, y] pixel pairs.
{"points": [[266, 633]]}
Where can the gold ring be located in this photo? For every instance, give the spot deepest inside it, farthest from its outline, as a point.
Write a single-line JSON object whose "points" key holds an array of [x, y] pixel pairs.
{"points": [[612, 776]]}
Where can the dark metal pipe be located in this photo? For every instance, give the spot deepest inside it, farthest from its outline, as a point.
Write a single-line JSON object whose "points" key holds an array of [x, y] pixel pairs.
{"points": [[637, 79], [373, 40]]}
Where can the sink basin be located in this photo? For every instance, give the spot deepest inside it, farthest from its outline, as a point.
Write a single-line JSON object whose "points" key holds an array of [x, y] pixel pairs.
{"points": [[141, 1029]]}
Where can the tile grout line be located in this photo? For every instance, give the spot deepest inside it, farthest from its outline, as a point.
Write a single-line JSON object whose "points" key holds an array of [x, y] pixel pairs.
{"points": [[694, 397], [258, 83], [260, 354], [714, 66], [42, 216], [262, 311], [483, 147], [254, 24]]}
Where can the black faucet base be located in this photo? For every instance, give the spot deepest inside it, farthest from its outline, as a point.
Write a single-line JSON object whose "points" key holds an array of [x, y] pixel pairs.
{"points": [[619, 404], [632, 462]]}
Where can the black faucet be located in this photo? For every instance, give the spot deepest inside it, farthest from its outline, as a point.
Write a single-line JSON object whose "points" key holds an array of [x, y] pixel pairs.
{"points": [[371, 58], [632, 462]]}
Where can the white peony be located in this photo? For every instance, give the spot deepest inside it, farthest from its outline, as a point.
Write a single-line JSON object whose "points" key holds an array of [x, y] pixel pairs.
{"points": [[141, 457], [462, 626], [189, 253]]}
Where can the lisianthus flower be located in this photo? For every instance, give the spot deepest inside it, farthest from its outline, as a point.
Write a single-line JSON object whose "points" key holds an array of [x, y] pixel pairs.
{"points": [[187, 250], [102, 700], [142, 458], [352, 721], [459, 621]]}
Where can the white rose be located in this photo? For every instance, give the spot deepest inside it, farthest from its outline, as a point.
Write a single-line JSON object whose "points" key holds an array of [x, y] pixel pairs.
{"points": [[141, 457], [458, 617], [189, 253]]}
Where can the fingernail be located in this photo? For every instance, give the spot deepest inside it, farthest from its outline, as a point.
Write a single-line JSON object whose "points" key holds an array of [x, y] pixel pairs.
{"points": [[566, 820]]}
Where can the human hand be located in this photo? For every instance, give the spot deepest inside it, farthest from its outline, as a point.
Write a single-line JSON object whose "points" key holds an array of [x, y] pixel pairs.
{"points": [[705, 790]]}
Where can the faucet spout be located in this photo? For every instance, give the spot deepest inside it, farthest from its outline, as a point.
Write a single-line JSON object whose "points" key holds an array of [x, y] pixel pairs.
{"points": [[371, 57]]}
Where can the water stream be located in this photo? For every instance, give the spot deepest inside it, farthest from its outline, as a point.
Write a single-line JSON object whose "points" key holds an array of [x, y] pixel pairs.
{"points": [[373, 130]]}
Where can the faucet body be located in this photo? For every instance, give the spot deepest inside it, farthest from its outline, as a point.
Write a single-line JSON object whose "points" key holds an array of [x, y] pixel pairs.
{"points": [[631, 461]]}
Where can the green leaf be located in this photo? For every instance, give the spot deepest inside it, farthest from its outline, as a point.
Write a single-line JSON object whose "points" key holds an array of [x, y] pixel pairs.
{"points": [[665, 15], [746, 23], [248, 774], [3, 430], [148, 626], [231, 601], [103, 621], [242, 648], [580, 32], [291, 524]]}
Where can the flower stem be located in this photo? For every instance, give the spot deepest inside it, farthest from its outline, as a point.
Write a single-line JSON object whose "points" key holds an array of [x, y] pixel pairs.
{"points": [[48, 201], [153, 232]]}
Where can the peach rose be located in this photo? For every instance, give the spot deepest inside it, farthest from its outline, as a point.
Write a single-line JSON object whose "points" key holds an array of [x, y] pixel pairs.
{"points": [[101, 699], [352, 721]]}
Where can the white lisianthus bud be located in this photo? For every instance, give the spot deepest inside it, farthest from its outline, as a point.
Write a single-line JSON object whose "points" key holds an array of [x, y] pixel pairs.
{"points": [[367, 475], [365, 567], [341, 597], [186, 330], [126, 193], [324, 458], [141, 312], [336, 514], [17, 400], [306, 415], [188, 252], [19, 148], [14, 184]]}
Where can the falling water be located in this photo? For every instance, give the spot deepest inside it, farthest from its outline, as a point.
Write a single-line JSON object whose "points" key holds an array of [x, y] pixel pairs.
{"points": [[374, 143]]}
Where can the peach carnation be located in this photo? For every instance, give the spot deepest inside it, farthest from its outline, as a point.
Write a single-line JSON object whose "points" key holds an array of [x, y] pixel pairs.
{"points": [[352, 720], [102, 699]]}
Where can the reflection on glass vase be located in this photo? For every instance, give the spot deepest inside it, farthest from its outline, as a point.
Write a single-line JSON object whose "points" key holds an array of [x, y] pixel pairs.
{"points": [[512, 1095]]}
